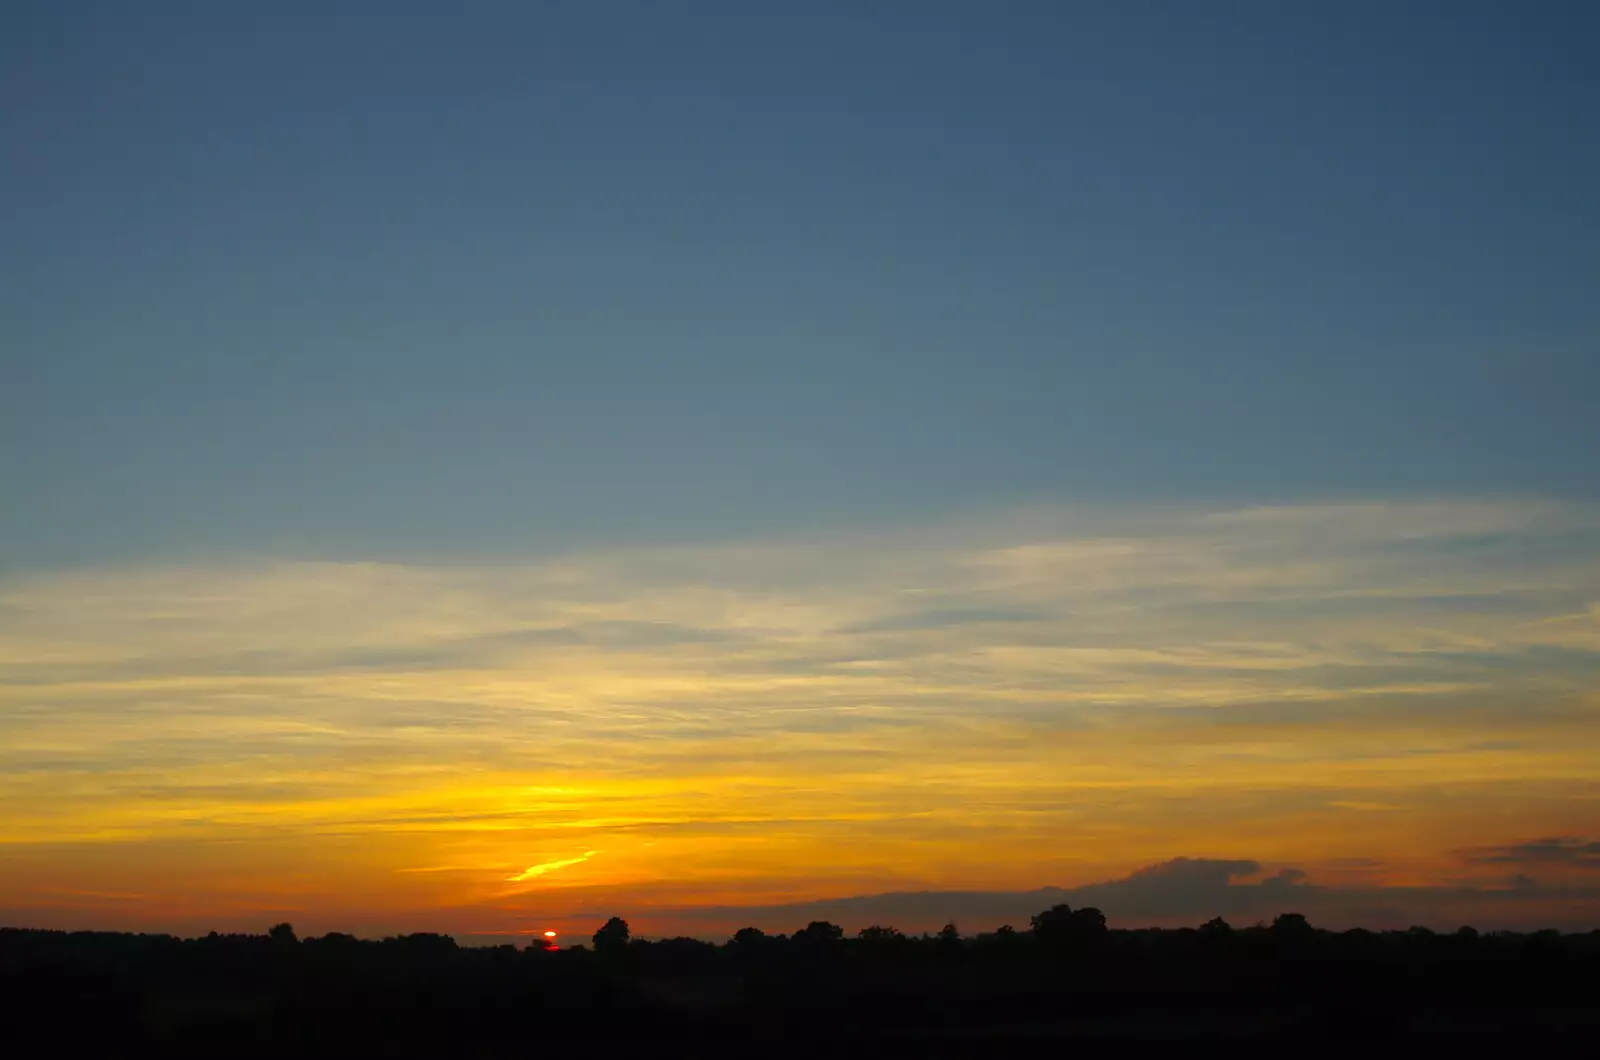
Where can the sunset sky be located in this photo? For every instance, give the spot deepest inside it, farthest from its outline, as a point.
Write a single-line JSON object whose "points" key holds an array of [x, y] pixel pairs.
{"points": [[489, 467]]}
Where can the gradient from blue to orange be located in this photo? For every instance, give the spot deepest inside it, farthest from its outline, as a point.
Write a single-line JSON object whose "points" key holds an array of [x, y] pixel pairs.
{"points": [[471, 467]]}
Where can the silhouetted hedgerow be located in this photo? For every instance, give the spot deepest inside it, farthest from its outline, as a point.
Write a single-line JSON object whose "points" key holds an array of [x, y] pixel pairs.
{"points": [[1066, 979]]}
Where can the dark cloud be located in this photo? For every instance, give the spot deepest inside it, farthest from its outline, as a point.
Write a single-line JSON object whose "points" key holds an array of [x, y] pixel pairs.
{"points": [[471, 652], [1484, 667], [602, 634], [647, 634], [1188, 891], [941, 618], [1556, 850], [1375, 712], [1170, 888]]}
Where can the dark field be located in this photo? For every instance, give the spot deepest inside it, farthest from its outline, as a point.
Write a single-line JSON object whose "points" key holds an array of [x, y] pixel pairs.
{"points": [[1067, 986]]}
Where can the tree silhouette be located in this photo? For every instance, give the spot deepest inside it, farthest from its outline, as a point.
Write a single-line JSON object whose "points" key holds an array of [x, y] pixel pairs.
{"points": [[612, 937], [819, 933], [1053, 922], [1288, 987], [1063, 925], [1089, 922], [1292, 926]]}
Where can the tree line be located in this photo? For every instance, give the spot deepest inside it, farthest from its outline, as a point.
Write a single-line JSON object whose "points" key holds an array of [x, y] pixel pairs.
{"points": [[1065, 976]]}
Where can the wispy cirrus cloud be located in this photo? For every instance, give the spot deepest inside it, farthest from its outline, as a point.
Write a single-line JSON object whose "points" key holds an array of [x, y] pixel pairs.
{"points": [[543, 867], [1051, 694]]}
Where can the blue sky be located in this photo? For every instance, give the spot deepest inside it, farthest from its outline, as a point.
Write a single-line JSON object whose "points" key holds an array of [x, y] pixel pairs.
{"points": [[416, 279]]}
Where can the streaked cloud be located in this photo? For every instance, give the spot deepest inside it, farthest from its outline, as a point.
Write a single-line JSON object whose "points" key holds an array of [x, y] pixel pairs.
{"points": [[550, 866], [1051, 696], [1564, 851]]}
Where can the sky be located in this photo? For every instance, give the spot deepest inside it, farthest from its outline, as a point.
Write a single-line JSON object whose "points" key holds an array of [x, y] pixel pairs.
{"points": [[493, 466]]}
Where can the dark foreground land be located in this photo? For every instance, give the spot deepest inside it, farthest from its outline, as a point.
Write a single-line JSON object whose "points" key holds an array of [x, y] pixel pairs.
{"points": [[1066, 987]]}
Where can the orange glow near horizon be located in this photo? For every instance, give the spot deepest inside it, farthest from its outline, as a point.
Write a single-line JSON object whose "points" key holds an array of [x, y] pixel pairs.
{"points": [[1357, 692]]}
